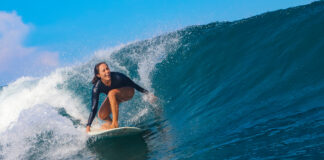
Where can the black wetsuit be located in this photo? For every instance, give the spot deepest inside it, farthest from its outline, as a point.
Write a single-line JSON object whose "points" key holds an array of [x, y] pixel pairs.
{"points": [[118, 80]]}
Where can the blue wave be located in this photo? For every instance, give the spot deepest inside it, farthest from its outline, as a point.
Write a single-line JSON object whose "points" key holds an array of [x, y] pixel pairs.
{"points": [[252, 88], [248, 89]]}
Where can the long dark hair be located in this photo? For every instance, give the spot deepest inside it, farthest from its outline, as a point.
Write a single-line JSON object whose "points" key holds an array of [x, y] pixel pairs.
{"points": [[95, 79]]}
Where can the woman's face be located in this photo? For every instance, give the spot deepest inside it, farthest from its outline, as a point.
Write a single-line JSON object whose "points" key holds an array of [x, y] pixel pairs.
{"points": [[104, 72]]}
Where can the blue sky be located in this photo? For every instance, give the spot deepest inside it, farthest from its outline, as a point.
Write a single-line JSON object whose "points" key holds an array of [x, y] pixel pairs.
{"points": [[38, 36]]}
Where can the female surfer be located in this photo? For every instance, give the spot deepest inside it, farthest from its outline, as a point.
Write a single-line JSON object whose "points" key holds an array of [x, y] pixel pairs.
{"points": [[118, 88]]}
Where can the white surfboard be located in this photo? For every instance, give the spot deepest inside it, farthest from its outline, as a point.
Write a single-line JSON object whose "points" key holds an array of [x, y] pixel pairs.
{"points": [[116, 132]]}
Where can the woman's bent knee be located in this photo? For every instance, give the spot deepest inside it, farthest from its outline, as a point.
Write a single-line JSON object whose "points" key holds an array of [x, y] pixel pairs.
{"points": [[112, 93]]}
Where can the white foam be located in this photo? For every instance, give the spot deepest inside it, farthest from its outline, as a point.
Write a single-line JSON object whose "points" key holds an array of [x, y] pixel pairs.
{"points": [[42, 132], [25, 93], [154, 55], [140, 114]]}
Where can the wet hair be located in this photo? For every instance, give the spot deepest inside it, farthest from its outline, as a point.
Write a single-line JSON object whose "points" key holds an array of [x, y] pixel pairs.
{"points": [[95, 79]]}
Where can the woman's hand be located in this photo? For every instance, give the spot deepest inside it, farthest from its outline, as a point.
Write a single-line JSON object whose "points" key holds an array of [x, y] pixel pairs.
{"points": [[151, 98], [88, 129]]}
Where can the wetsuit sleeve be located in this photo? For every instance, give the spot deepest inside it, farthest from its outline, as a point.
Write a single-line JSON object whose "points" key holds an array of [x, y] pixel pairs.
{"points": [[137, 87], [94, 104], [134, 85]]}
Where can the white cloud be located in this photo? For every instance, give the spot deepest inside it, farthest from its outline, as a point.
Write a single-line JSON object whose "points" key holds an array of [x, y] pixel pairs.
{"points": [[15, 58], [49, 58]]}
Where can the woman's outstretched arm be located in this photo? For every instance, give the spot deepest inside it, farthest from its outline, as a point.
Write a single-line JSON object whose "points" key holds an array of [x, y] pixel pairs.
{"points": [[94, 106]]}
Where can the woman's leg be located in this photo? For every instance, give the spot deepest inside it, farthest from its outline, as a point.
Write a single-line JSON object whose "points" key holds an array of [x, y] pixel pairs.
{"points": [[116, 96], [104, 113]]}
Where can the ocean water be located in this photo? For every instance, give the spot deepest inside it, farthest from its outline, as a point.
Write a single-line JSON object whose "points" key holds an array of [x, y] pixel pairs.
{"points": [[248, 89]]}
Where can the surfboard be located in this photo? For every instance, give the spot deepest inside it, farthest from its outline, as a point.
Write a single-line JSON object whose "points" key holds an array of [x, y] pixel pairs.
{"points": [[116, 132]]}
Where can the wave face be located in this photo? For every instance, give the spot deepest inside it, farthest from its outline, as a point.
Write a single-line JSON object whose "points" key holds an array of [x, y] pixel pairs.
{"points": [[249, 89]]}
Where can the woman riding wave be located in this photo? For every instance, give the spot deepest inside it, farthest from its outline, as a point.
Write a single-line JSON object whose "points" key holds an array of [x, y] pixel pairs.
{"points": [[118, 88]]}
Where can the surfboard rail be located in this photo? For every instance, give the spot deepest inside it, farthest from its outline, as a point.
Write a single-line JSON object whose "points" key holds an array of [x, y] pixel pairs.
{"points": [[121, 131]]}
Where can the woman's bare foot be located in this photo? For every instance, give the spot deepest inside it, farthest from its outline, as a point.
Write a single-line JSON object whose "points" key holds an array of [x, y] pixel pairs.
{"points": [[108, 120], [114, 125], [106, 125]]}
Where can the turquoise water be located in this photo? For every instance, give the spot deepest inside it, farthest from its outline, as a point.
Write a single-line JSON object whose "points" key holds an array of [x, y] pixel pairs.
{"points": [[249, 89]]}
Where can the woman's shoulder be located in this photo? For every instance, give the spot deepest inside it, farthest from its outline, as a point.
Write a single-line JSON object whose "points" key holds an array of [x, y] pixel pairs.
{"points": [[117, 74]]}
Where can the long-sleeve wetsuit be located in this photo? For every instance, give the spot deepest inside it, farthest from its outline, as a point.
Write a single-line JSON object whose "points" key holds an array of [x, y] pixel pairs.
{"points": [[118, 80]]}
